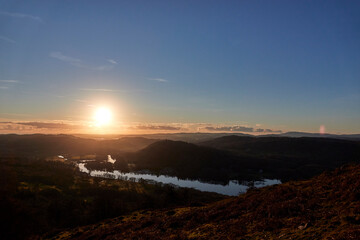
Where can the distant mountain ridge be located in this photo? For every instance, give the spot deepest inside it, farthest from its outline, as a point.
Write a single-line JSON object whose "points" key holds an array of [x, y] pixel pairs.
{"points": [[200, 136], [325, 135], [43, 144]]}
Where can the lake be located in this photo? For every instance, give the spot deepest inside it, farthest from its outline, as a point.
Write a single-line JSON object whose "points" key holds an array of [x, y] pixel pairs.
{"points": [[234, 188]]}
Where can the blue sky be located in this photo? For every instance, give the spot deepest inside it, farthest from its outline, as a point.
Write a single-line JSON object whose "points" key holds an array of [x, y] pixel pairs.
{"points": [[280, 65]]}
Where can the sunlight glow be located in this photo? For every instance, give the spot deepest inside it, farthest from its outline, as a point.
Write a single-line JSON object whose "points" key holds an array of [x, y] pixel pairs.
{"points": [[322, 129], [102, 116]]}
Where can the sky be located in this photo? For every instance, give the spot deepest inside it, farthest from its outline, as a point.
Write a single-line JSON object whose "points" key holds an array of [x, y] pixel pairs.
{"points": [[180, 66]]}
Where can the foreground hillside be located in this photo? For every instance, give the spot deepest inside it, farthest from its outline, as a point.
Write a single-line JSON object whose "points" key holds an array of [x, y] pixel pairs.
{"points": [[325, 207], [38, 197]]}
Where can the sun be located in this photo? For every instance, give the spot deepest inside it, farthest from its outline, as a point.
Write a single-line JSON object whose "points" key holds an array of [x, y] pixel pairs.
{"points": [[102, 116]]}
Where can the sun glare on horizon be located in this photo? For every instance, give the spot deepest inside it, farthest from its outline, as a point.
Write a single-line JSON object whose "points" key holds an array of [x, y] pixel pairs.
{"points": [[102, 116]]}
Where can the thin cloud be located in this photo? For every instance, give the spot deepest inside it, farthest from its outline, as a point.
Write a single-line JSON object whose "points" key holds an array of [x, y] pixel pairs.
{"points": [[79, 63], [217, 128], [62, 57], [11, 127], [237, 128], [242, 129], [50, 125], [112, 61], [159, 80], [9, 81], [157, 127], [35, 127], [9, 40], [231, 129], [21, 15]]}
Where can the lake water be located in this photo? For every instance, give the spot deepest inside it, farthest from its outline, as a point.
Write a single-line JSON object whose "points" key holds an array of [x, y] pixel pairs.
{"points": [[231, 189]]}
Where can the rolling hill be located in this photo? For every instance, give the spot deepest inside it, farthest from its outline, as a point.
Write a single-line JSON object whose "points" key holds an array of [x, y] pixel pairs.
{"points": [[245, 158], [186, 160], [286, 146], [290, 158]]}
